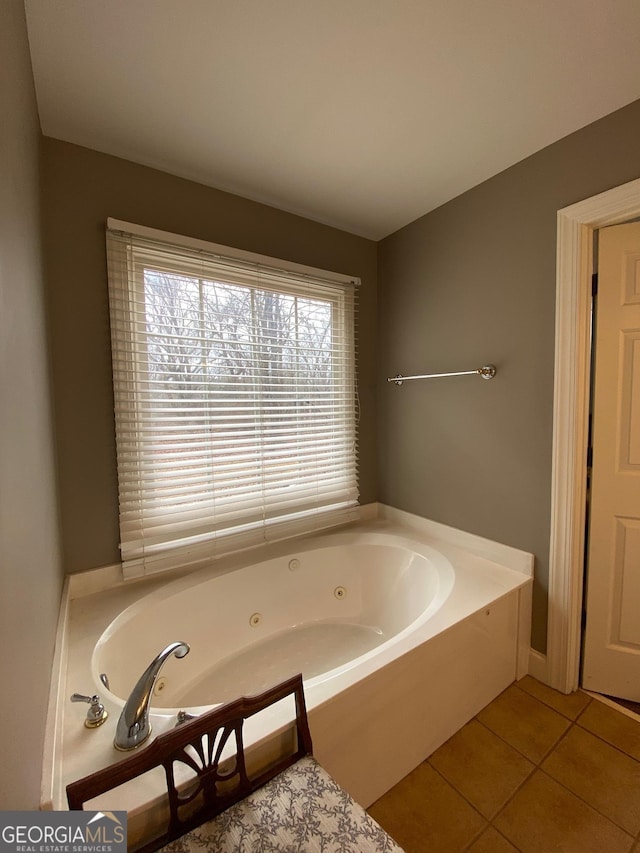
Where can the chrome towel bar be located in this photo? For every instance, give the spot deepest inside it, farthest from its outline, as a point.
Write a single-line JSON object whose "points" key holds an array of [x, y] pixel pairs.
{"points": [[486, 372]]}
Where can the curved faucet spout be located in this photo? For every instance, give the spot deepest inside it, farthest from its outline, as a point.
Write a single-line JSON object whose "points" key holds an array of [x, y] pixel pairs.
{"points": [[133, 726]]}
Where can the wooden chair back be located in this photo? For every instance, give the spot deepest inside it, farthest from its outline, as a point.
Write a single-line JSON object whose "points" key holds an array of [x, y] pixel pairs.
{"points": [[199, 744]]}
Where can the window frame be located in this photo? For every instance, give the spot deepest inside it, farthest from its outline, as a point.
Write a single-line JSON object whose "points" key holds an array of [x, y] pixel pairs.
{"points": [[140, 553]]}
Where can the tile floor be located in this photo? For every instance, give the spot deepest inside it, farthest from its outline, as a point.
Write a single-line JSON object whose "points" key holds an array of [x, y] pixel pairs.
{"points": [[535, 771]]}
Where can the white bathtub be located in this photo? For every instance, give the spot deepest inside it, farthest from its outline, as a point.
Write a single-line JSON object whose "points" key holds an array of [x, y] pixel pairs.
{"points": [[403, 629], [326, 608]]}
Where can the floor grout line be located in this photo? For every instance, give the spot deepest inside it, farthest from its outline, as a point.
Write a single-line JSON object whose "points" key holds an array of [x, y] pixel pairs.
{"points": [[555, 745], [552, 707], [586, 802], [490, 821], [475, 838], [534, 765], [611, 703], [538, 766], [608, 743], [519, 751], [460, 794]]}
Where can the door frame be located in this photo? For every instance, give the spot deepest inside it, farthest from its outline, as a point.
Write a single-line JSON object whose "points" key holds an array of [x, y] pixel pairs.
{"points": [[574, 268]]}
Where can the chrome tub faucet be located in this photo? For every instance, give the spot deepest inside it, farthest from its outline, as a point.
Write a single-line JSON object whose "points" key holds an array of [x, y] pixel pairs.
{"points": [[133, 726]]}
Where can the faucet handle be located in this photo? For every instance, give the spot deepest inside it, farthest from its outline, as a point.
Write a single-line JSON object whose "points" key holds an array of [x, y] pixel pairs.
{"points": [[184, 717], [96, 714]]}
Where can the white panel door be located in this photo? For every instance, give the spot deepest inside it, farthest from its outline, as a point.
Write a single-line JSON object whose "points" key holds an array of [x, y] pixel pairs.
{"points": [[611, 662]]}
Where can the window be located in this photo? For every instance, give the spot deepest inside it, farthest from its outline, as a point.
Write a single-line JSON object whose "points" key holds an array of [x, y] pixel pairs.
{"points": [[235, 398]]}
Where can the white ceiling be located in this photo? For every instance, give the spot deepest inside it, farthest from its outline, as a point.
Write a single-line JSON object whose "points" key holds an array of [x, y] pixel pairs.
{"points": [[362, 114]]}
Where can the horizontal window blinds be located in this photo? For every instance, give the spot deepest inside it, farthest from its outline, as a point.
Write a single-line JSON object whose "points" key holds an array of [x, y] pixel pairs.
{"points": [[235, 400]]}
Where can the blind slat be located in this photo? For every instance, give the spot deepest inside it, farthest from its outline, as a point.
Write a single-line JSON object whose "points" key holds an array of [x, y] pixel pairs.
{"points": [[234, 386]]}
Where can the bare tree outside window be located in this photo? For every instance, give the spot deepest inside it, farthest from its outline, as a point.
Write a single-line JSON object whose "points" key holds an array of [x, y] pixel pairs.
{"points": [[232, 359]]}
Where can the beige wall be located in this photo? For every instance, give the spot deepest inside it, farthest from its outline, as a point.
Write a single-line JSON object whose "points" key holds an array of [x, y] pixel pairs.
{"points": [[81, 189], [471, 282], [30, 573]]}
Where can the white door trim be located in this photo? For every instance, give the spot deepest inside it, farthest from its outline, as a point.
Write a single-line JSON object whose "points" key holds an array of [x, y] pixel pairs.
{"points": [[574, 269]]}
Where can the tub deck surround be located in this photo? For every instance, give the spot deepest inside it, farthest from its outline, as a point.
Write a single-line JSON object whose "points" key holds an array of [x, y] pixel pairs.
{"points": [[373, 719]]}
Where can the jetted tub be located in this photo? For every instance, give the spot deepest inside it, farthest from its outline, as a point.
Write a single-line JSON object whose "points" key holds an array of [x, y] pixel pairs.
{"points": [[321, 610], [403, 629]]}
